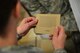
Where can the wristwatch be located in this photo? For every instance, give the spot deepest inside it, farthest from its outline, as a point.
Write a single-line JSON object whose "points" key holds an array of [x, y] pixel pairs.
{"points": [[19, 37]]}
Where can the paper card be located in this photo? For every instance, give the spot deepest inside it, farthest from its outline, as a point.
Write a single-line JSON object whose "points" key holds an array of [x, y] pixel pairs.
{"points": [[47, 23]]}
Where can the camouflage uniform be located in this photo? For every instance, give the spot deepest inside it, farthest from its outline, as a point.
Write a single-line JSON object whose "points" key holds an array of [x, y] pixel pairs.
{"points": [[25, 49], [20, 49], [60, 51]]}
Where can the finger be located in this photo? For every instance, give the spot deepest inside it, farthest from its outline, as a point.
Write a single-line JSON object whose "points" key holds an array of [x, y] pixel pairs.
{"points": [[61, 31], [32, 22], [25, 20], [56, 32], [29, 19]]}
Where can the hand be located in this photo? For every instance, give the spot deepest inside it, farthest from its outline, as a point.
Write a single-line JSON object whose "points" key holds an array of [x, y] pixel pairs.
{"points": [[59, 38], [26, 24]]}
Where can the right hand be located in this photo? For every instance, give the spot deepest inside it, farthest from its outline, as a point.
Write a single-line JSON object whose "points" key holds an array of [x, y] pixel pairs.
{"points": [[26, 24], [59, 38]]}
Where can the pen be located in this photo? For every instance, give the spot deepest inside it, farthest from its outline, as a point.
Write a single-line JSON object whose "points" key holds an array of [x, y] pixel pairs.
{"points": [[27, 12], [26, 9]]}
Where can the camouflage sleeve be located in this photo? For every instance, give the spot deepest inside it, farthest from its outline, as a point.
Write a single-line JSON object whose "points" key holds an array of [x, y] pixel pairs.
{"points": [[60, 51], [21, 49]]}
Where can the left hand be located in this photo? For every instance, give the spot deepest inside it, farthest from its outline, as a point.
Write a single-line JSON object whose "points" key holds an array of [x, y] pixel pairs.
{"points": [[59, 38], [26, 24]]}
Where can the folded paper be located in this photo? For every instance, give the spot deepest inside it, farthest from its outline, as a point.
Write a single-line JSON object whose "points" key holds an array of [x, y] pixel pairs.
{"points": [[47, 23]]}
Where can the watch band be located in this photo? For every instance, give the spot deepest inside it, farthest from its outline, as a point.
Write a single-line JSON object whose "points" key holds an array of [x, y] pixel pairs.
{"points": [[19, 37]]}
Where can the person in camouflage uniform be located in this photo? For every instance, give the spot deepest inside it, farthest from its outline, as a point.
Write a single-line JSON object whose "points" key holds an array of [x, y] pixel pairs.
{"points": [[10, 10]]}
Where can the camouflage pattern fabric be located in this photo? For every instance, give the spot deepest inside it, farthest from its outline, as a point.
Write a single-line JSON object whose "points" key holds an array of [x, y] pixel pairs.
{"points": [[25, 49], [60, 51], [20, 49], [53, 7]]}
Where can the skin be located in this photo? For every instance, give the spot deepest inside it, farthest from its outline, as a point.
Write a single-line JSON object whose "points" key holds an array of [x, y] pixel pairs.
{"points": [[25, 25], [58, 38]]}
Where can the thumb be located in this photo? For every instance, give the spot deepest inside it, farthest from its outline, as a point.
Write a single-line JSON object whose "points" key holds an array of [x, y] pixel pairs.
{"points": [[56, 31], [61, 31]]}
